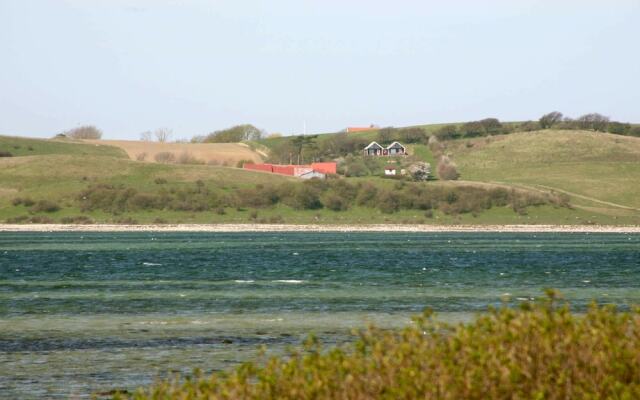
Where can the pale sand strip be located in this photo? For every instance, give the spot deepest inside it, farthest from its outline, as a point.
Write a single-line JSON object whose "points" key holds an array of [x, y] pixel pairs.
{"points": [[316, 228]]}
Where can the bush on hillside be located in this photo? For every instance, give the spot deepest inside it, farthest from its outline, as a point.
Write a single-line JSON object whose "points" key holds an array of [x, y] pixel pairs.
{"points": [[529, 126], [5, 154], [187, 158], [538, 351], [635, 131], [594, 121], [337, 195], [84, 132], [447, 170], [412, 135], [618, 128], [446, 132], [387, 135], [77, 220], [472, 129], [549, 120], [45, 206], [234, 134], [491, 126], [165, 157], [25, 201]]}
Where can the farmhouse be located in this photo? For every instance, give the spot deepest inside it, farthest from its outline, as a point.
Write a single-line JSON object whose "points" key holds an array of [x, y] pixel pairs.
{"points": [[394, 149]]}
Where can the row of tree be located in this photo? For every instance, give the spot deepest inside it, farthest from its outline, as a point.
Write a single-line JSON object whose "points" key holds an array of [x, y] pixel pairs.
{"points": [[593, 121], [234, 134]]}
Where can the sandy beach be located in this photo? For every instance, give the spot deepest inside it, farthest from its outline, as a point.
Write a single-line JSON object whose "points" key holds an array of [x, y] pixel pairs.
{"points": [[315, 228]]}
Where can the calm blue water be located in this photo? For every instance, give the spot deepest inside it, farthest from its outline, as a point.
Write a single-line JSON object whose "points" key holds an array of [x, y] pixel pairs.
{"points": [[88, 312]]}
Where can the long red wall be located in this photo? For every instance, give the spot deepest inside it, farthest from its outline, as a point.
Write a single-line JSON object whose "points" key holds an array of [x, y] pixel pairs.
{"points": [[324, 167]]}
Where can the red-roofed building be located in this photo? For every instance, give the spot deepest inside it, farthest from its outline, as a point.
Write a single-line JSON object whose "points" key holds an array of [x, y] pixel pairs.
{"points": [[352, 129]]}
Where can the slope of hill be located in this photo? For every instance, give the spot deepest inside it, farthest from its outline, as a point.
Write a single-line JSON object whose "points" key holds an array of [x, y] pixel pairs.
{"points": [[598, 170], [206, 153], [19, 146]]}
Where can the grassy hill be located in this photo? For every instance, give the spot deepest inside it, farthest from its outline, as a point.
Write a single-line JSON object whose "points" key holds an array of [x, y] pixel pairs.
{"points": [[600, 171], [19, 146], [595, 170]]}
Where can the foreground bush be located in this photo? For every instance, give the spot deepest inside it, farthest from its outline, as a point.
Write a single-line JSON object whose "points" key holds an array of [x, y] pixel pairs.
{"points": [[541, 351]]}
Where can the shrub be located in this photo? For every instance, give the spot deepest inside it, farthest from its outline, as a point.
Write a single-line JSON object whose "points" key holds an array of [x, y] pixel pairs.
{"points": [[446, 132], [548, 120], [529, 126], [539, 351], [165, 157], [447, 170], [334, 202], [79, 220], [17, 220], [491, 126], [141, 156], [45, 206], [618, 128], [420, 171], [25, 201], [5, 154], [160, 181], [84, 132], [387, 135], [472, 129], [241, 163], [412, 135], [634, 131], [40, 219], [234, 134], [187, 158], [593, 121], [388, 201], [303, 197]]}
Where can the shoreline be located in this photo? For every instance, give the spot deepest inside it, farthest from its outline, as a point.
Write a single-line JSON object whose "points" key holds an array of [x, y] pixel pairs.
{"points": [[230, 228]]}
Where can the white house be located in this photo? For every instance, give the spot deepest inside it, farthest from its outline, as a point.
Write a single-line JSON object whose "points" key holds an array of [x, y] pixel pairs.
{"points": [[389, 171]]}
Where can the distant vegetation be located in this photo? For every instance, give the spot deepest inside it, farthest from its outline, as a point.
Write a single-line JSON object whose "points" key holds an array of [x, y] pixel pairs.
{"points": [[84, 132], [540, 351], [335, 195], [235, 134]]}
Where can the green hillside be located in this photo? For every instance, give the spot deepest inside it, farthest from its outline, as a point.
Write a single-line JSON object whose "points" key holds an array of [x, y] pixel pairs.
{"points": [[594, 168], [18, 147]]}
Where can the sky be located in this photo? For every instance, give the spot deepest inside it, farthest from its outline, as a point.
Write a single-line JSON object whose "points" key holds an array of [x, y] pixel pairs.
{"points": [[195, 66]]}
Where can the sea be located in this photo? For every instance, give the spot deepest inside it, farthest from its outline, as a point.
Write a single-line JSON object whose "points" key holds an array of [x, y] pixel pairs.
{"points": [[83, 314]]}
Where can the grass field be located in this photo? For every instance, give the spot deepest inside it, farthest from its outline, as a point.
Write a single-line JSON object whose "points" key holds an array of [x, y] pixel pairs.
{"points": [[228, 154], [18, 146], [600, 171]]}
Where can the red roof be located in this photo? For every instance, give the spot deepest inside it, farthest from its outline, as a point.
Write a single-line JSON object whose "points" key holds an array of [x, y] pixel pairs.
{"points": [[360, 128]]}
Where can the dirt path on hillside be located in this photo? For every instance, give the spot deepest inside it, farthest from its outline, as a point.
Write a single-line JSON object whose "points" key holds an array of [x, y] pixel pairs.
{"points": [[580, 196]]}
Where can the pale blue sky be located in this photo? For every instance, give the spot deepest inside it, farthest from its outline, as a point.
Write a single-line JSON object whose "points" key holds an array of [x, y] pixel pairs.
{"points": [[195, 66]]}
